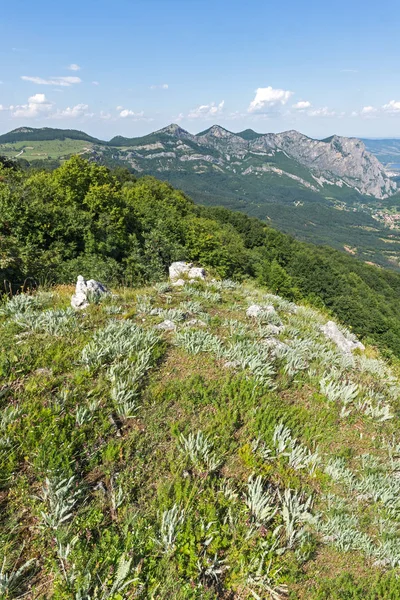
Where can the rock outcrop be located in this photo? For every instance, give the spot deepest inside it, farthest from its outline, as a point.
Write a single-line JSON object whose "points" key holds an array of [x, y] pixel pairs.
{"points": [[85, 291], [345, 344], [337, 160], [180, 270], [256, 310]]}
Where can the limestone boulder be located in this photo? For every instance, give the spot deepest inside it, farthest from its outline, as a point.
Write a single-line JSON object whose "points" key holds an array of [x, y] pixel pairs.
{"points": [[345, 344], [85, 291], [181, 269]]}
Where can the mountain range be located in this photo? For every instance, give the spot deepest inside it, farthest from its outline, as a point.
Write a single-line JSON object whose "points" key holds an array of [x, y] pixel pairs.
{"points": [[313, 164], [334, 191]]}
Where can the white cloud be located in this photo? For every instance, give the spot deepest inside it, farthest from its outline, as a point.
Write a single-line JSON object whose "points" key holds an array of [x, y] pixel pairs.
{"points": [[207, 111], [322, 112], [63, 81], [369, 111], [302, 105], [130, 114], [119, 108], [392, 107], [74, 67], [162, 86], [95, 83], [73, 112], [37, 105], [267, 98], [106, 116]]}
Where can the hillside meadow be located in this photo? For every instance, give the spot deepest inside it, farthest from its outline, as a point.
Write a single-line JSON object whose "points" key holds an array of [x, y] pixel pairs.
{"points": [[227, 456]]}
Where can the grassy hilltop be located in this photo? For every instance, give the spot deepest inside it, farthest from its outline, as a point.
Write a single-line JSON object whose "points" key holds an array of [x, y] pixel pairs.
{"points": [[84, 218], [233, 457], [163, 443]]}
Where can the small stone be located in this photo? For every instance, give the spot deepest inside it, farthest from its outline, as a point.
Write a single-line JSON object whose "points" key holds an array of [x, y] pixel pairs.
{"points": [[231, 364], [166, 325], [193, 322], [44, 371], [274, 329], [178, 283], [255, 310]]}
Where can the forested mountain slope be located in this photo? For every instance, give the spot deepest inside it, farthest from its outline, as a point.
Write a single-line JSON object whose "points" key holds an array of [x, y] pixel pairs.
{"points": [[84, 219], [327, 192]]}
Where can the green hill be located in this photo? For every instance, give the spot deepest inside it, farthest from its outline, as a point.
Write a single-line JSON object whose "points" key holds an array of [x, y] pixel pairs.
{"points": [[81, 218], [41, 134], [233, 456], [217, 439]]}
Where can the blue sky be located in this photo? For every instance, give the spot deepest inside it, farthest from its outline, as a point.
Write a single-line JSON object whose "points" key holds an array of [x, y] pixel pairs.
{"points": [[131, 67]]}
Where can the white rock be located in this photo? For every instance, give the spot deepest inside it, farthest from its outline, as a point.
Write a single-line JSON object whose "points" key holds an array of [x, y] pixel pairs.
{"points": [[178, 283], [193, 322], [177, 269], [183, 269], [95, 286], [232, 364], [166, 325], [269, 309], [274, 329], [81, 287], [197, 273], [254, 310], [331, 331], [80, 300]]}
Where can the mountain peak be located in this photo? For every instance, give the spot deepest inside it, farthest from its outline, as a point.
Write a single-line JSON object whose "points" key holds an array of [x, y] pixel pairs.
{"points": [[174, 129], [217, 131], [249, 134], [294, 135]]}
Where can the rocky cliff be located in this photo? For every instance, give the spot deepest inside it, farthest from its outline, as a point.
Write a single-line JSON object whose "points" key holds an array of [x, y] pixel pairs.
{"points": [[337, 160]]}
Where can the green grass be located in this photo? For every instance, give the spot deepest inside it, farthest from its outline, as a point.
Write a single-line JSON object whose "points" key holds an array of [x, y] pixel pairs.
{"points": [[34, 150], [114, 502]]}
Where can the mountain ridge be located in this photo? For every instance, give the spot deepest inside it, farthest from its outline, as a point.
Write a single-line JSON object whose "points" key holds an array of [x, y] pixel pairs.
{"points": [[336, 160], [330, 191]]}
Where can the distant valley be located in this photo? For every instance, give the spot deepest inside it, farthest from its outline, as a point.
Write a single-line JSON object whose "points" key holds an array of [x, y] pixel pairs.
{"points": [[387, 152], [338, 191]]}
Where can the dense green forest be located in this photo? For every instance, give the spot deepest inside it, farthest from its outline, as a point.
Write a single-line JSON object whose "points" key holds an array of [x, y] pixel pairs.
{"points": [[86, 219], [44, 134]]}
